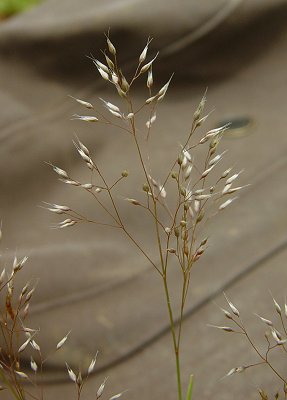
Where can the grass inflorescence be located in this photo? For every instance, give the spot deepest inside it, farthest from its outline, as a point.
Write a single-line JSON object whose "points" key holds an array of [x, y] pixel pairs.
{"points": [[178, 204]]}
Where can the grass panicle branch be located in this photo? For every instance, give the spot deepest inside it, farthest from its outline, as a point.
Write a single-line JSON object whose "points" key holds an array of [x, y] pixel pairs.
{"points": [[275, 338]]}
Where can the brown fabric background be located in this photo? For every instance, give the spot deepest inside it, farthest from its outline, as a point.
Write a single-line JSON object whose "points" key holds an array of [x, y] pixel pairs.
{"points": [[90, 280]]}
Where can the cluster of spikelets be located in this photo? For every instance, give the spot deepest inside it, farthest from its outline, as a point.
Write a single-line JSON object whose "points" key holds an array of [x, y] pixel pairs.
{"points": [[191, 181], [275, 338], [189, 194], [17, 338], [193, 189]]}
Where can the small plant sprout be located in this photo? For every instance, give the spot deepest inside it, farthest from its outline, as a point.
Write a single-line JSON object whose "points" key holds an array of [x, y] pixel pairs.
{"points": [[275, 338], [179, 202]]}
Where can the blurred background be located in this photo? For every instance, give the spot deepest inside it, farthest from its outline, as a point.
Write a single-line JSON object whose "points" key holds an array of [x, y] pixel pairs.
{"points": [[90, 280]]}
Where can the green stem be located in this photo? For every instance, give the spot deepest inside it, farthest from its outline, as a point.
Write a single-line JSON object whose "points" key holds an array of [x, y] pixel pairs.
{"points": [[172, 329], [163, 266]]}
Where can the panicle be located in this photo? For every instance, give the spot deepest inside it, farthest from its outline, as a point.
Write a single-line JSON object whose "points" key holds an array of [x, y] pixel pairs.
{"points": [[226, 313], [216, 159], [33, 365], [151, 99], [145, 67], [200, 108], [225, 173], [162, 191], [62, 342], [203, 197], [35, 345], [277, 307], [213, 133], [226, 188], [83, 103], [124, 83], [87, 186], [70, 182], [22, 374], [236, 189], [236, 370], [110, 63], [101, 388], [92, 364], [277, 337], [143, 54], [207, 171], [71, 374], [115, 78], [163, 90], [67, 223], [103, 74], [188, 171], [17, 265], [187, 155], [111, 47], [62, 173], [29, 295], [110, 106], [266, 321], [226, 203], [82, 147], [2, 276], [116, 396], [232, 306], [149, 81], [24, 345], [56, 208], [151, 121], [85, 156], [223, 328], [102, 66], [133, 201], [233, 177], [86, 118]]}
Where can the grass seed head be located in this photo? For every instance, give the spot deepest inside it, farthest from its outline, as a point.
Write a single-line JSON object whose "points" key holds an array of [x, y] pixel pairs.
{"points": [[101, 388], [266, 321], [71, 374], [233, 177], [62, 342], [86, 118], [102, 66], [83, 103], [277, 307], [149, 81], [143, 54], [116, 396], [147, 66], [22, 374], [33, 365], [62, 173], [226, 203], [111, 47], [92, 364], [232, 306]]}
